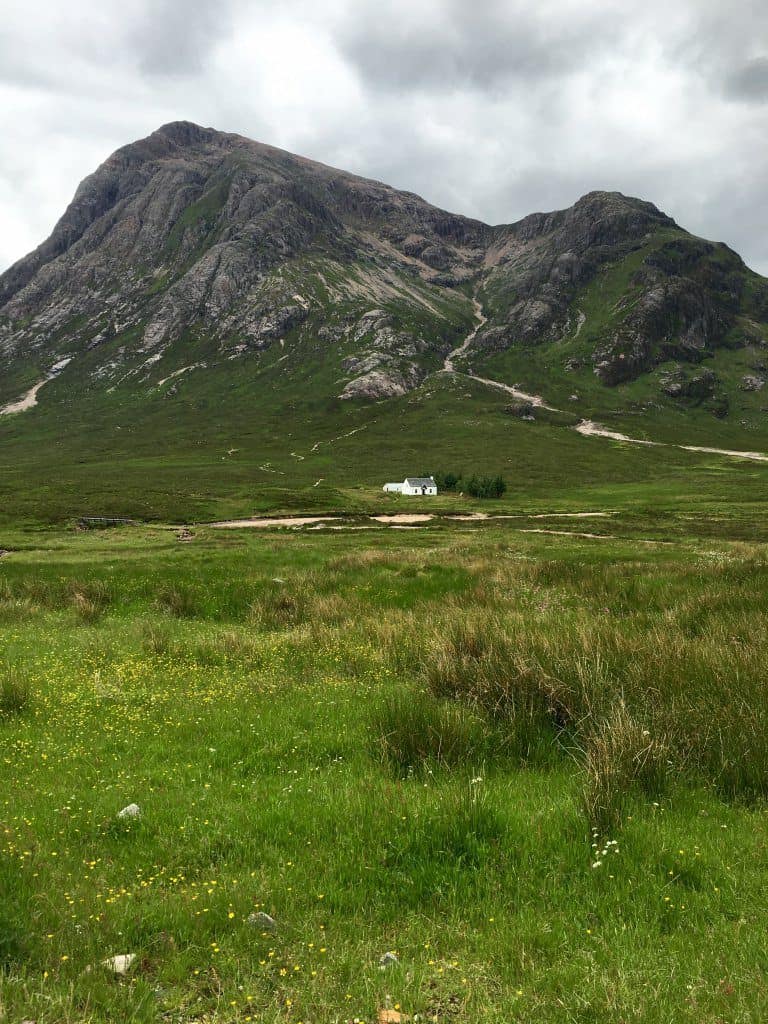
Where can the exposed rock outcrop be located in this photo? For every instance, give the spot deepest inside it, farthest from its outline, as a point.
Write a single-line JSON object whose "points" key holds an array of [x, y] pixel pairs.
{"points": [[386, 363]]}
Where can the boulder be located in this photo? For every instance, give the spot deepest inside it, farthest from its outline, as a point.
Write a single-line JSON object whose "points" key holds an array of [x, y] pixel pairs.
{"points": [[129, 812]]}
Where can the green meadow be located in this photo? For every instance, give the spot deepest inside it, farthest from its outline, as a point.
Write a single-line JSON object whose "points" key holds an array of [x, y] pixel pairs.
{"points": [[532, 766]]}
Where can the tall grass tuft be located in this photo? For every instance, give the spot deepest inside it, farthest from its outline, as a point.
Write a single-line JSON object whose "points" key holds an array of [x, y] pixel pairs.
{"points": [[279, 608], [415, 733], [622, 760], [13, 606], [480, 661], [155, 639], [15, 690], [180, 601]]}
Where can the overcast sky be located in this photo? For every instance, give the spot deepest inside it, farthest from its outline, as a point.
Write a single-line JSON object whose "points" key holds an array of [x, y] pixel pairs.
{"points": [[490, 108]]}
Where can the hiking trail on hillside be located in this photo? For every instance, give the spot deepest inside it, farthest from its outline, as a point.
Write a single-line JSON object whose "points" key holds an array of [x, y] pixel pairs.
{"points": [[587, 428]]}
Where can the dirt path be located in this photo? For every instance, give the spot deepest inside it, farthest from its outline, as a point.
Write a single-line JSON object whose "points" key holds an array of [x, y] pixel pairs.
{"points": [[332, 440], [588, 428], [449, 365], [480, 319], [524, 396], [756, 456], [29, 399]]}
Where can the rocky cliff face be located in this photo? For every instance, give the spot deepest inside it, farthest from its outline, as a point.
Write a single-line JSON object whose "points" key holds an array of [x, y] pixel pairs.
{"points": [[194, 241], [680, 298]]}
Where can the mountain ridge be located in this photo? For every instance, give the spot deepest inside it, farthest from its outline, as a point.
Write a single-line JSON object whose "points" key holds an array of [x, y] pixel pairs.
{"points": [[193, 252], [174, 138]]}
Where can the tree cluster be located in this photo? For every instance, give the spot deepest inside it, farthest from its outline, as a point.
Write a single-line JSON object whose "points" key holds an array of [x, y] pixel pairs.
{"points": [[476, 486]]}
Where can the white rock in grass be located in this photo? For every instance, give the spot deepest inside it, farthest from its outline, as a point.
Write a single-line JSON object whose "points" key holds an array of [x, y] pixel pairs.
{"points": [[119, 964], [131, 811], [389, 960], [261, 920]]}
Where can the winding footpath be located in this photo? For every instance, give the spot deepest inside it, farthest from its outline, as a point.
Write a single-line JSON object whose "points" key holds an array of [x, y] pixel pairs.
{"points": [[449, 367], [480, 319], [29, 399], [587, 428]]}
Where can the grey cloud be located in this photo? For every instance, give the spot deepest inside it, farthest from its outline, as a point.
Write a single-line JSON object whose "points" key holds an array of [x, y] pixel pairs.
{"points": [[173, 38], [749, 82], [484, 46]]}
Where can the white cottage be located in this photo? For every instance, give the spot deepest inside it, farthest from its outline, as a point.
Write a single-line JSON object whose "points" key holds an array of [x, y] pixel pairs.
{"points": [[414, 485]]}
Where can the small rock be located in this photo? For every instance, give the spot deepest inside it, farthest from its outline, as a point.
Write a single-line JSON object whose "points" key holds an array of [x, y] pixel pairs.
{"points": [[131, 811], [261, 920], [119, 964], [388, 960], [277, 579]]}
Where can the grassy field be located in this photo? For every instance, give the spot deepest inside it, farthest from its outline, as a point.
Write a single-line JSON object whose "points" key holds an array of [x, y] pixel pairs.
{"points": [[181, 461], [530, 765]]}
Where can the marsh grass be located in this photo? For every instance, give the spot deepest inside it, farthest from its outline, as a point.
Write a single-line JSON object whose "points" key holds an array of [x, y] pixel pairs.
{"points": [[591, 655], [15, 607], [15, 690], [280, 607], [414, 732], [478, 659], [183, 602], [89, 600], [621, 760], [12, 946], [155, 638]]}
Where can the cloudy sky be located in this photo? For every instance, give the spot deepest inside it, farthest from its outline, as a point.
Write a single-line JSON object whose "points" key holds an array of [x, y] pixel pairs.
{"points": [[491, 108]]}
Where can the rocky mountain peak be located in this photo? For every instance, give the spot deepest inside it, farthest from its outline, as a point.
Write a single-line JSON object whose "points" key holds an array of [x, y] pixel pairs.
{"points": [[196, 233]]}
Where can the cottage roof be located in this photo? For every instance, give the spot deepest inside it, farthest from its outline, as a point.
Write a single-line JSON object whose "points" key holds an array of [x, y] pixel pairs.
{"points": [[420, 481]]}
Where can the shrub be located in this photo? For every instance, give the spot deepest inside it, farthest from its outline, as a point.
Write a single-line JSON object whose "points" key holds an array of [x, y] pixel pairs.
{"points": [[447, 481], [476, 486], [486, 486]]}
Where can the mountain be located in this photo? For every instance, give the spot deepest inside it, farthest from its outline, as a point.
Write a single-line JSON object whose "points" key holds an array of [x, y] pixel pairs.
{"points": [[199, 277]]}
